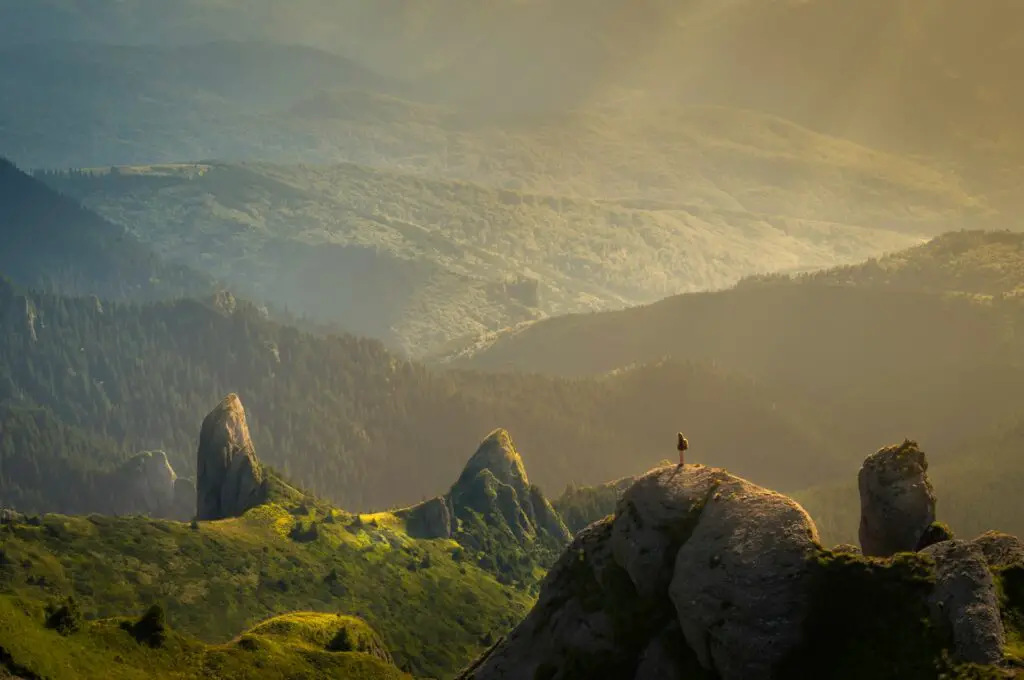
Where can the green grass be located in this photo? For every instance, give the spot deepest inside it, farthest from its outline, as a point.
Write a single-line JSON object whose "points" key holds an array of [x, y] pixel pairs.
{"points": [[223, 578], [103, 649]]}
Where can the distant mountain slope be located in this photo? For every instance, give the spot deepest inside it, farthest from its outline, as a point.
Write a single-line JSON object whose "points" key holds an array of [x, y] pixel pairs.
{"points": [[423, 263], [967, 262], [876, 362], [51, 242], [933, 80], [339, 414]]}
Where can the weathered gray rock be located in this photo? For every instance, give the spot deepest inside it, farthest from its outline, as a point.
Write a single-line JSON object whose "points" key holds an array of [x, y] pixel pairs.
{"points": [[1000, 550], [897, 500], [964, 602], [230, 479], [430, 519], [655, 516], [567, 630], [718, 560], [741, 583], [661, 659]]}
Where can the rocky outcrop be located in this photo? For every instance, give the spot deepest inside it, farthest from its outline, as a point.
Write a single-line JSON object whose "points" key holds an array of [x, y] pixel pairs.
{"points": [[494, 487], [897, 500], [964, 602], [229, 479], [430, 519], [741, 578], [703, 574], [693, 553], [1001, 550]]}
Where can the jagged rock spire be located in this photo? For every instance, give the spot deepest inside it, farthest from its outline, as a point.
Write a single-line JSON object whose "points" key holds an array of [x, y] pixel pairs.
{"points": [[230, 479]]}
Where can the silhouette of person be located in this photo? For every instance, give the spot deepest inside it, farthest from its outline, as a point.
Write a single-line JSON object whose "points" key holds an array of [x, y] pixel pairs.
{"points": [[682, 446]]}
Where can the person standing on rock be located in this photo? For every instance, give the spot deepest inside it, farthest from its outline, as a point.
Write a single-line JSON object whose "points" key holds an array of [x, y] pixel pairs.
{"points": [[682, 445]]}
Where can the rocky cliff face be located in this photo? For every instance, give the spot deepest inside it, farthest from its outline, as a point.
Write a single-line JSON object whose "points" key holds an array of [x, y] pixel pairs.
{"points": [[230, 479], [897, 500], [701, 574]]}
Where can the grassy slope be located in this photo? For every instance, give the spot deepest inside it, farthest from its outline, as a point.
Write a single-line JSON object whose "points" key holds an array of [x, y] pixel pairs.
{"points": [[102, 649], [218, 580], [434, 254]]}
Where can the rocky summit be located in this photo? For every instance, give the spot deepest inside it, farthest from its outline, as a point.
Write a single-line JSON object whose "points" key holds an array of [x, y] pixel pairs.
{"points": [[702, 574], [494, 486], [230, 479]]}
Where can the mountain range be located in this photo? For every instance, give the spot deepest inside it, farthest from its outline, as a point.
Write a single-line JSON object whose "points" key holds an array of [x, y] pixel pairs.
{"points": [[785, 233]]}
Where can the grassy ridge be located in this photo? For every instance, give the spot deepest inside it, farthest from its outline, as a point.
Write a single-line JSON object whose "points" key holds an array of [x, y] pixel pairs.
{"points": [[434, 610]]}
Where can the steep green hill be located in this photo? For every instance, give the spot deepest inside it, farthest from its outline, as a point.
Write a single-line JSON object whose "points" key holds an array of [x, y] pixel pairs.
{"points": [[422, 263], [86, 385]]}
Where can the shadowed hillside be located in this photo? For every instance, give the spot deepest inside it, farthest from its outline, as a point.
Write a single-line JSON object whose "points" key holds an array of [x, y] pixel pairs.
{"points": [[51, 242]]}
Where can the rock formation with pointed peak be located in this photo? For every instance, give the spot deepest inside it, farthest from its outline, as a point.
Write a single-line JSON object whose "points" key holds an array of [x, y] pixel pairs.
{"points": [[230, 479], [494, 512]]}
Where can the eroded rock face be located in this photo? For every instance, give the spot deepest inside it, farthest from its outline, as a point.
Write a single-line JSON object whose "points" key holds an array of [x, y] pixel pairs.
{"points": [[655, 516], [230, 479], [897, 500], [692, 554], [430, 519], [741, 579], [1000, 550], [964, 602], [578, 624]]}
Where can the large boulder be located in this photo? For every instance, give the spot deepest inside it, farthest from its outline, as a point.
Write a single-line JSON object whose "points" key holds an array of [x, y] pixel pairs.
{"points": [[964, 602], [654, 518], [229, 479], [577, 628], [897, 500], [697, 567], [741, 582]]}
